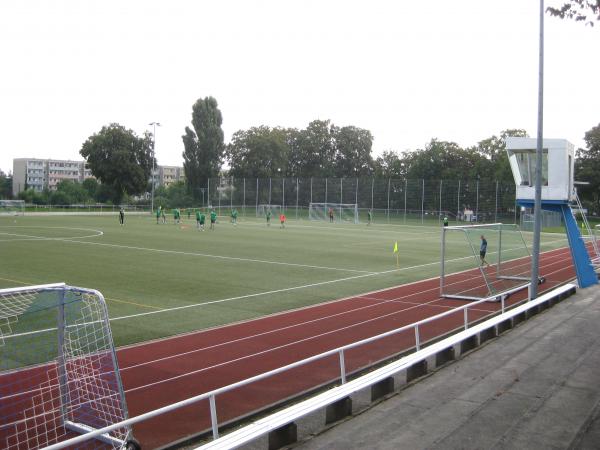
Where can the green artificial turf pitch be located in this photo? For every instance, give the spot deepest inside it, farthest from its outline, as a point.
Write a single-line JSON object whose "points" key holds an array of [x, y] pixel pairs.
{"points": [[167, 279]]}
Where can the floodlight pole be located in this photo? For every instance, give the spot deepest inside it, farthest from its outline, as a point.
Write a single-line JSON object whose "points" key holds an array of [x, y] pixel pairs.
{"points": [[537, 226], [154, 124]]}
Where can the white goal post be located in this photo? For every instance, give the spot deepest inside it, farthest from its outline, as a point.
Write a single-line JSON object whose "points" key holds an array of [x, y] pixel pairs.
{"points": [[12, 207], [59, 375], [263, 208], [334, 212], [504, 267]]}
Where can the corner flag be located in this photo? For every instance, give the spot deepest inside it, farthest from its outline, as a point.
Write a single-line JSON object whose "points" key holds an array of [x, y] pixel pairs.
{"points": [[396, 247]]}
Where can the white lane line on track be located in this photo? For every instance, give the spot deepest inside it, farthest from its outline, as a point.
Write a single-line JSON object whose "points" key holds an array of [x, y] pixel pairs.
{"points": [[395, 300], [289, 344]]}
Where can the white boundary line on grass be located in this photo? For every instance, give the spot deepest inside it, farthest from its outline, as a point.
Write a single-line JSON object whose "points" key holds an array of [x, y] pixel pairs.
{"points": [[294, 288], [279, 347], [27, 237]]}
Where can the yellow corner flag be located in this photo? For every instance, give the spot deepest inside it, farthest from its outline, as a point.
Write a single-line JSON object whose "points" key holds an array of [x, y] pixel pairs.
{"points": [[396, 247], [397, 254]]}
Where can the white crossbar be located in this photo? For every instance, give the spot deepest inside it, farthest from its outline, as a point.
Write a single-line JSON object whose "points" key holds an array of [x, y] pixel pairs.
{"points": [[294, 412]]}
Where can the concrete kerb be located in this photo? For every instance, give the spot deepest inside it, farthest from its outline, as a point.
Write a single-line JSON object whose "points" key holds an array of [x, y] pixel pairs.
{"points": [[359, 394]]}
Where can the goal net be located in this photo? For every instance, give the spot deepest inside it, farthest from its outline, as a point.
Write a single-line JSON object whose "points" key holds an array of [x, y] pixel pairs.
{"points": [[12, 207], [58, 370], [504, 269], [336, 212], [261, 210]]}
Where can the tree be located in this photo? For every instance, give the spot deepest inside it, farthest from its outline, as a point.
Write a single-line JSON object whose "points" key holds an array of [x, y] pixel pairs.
{"points": [[5, 186], [587, 168], [578, 10], [390, 165], [91, 186], [494, 148], [352, 157], [120, 159], [260, 152], [312, 150], [203, 146], [73, 192]]}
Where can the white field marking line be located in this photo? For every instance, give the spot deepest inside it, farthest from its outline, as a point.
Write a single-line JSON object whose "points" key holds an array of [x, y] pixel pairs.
{"points": [[264, 351], [293, 288], [289, 344], [396, 300], [28, 237], [207, 255], [291, 326], [353, 231]]}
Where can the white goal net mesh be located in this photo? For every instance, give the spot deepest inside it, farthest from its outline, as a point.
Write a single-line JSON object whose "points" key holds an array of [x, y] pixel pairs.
{"points": [[58, 371], [333, 212], [467, 273]]}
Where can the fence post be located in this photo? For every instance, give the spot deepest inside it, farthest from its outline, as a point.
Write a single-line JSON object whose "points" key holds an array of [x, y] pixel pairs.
{"points": [[311, 189], [405, 193], [422, 200], [219, 196], [213, 417], [440, 214], [477, 200], [296, 198], [283, 195], [256, 212], [325, 191], [270, 190], [342, 366], [372, 187], [231, 195], [356, 193], [496, 210], [388, 200], [244, 204], [458, 203], [208, 192]]}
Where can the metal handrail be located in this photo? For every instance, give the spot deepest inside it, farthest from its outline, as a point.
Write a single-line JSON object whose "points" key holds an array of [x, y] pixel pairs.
{"points": [[211, 395]]}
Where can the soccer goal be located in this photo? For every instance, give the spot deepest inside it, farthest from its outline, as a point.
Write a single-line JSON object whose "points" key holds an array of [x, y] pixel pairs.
{"points": [[341, 212], [505, 268], [12, 207], [261, 210], [58, 369]]}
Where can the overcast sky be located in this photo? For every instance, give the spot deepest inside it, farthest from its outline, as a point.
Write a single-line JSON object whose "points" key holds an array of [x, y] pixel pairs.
{"points": [[408, 71]]}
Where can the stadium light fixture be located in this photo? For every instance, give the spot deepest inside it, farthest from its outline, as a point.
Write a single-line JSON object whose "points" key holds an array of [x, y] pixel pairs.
{"points": [[154, 124]]}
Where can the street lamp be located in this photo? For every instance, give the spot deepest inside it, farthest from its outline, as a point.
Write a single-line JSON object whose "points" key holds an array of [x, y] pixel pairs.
{"points": [[154, 124]]}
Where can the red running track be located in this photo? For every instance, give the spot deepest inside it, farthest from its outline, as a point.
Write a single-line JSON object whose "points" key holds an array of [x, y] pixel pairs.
{"points": [[159, 373]]}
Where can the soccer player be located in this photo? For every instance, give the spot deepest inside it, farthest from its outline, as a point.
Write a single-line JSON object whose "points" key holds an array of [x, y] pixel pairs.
{"points": [[202, 219], [234, 215], [121, 217], [269, 218], [483, 250], [162, 215], [176, 216], [282, 220], [213, 219], [369, 217], [158, 214], [331, 215], [445, 221], [198, 219]]}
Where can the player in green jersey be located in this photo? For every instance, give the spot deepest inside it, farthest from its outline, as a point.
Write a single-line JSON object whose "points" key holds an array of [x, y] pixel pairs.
{"points": [[269, 218], [202, 220], [158, 214], [213, 219], [234, 215]]}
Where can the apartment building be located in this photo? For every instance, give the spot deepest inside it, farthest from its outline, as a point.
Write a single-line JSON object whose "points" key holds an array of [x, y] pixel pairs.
{"points": [[41, 174]]}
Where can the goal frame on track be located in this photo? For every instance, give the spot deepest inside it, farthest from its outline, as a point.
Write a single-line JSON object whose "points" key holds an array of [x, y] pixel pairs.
{"points": [[58, 368], [517, 281]]}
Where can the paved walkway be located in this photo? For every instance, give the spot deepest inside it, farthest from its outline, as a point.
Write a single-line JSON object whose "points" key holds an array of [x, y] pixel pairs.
{"points": [[535, 387]]}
